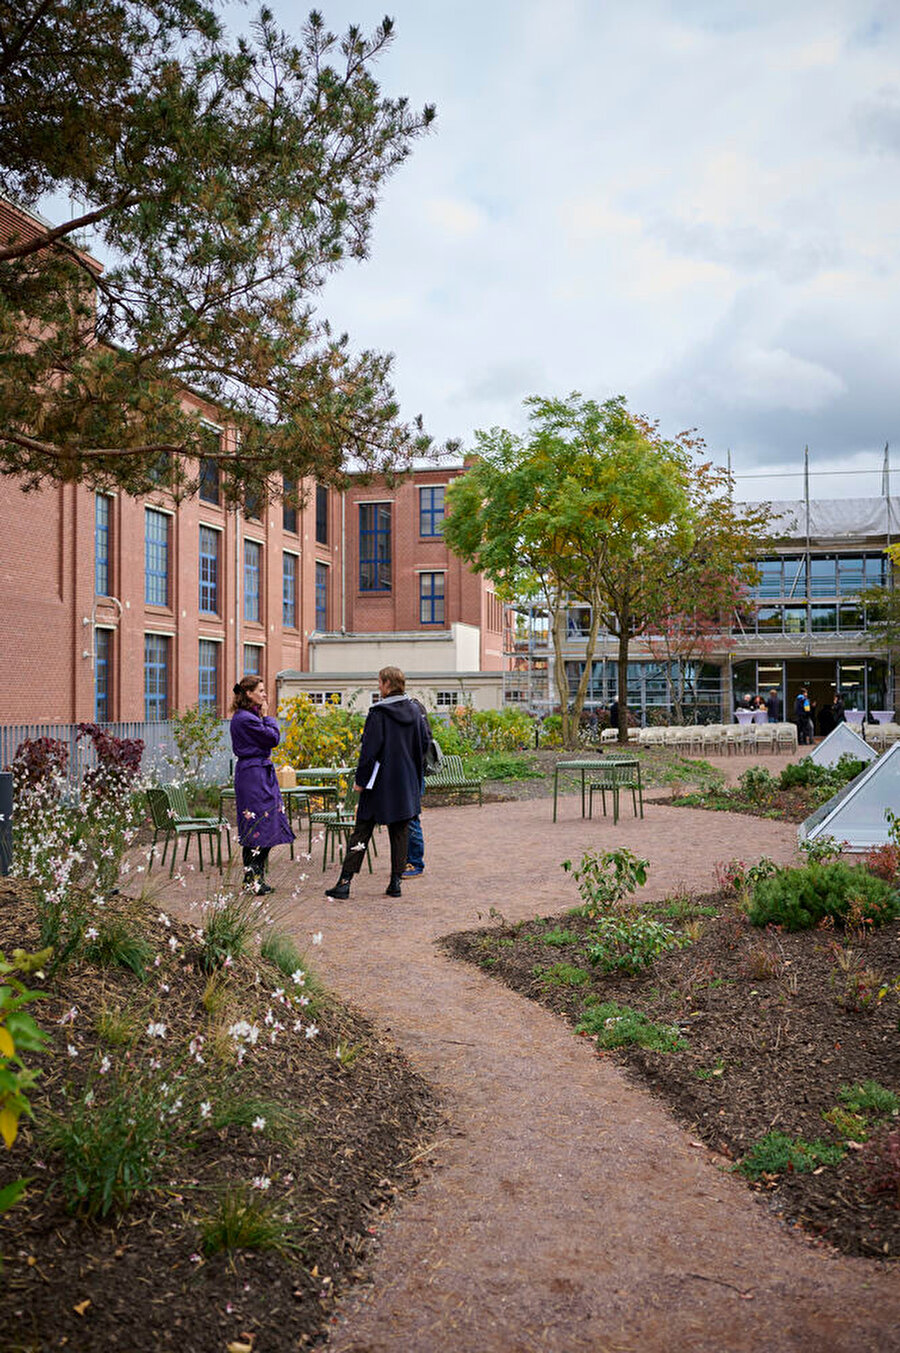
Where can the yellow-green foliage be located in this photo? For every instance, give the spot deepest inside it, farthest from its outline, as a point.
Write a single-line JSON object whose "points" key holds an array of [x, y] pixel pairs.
{"points": [[492, 730], [317, 735]]}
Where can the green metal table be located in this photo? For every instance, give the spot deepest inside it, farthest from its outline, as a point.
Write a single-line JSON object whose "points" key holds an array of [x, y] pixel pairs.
{"points": [[582, 767]]}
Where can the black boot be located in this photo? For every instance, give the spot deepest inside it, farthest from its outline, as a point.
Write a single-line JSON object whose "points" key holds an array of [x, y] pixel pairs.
{"points": [[341, 890], [393, 888]]}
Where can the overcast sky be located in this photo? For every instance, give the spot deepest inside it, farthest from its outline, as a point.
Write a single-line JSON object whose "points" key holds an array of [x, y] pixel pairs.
{"points": [[693, 203]]}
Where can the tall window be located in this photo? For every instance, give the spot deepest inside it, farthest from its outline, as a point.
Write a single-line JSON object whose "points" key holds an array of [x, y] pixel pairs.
{"points": [[103, 653], [252, 659], [252, 505], [156, 558], [431, 598], [289, 506], [374, 547], [289, 592], [156, 677], [209, 571], [431, 510], [209, 480], [208, 685], [321, 515], [252, 570], [102, 513], [321, 597]]}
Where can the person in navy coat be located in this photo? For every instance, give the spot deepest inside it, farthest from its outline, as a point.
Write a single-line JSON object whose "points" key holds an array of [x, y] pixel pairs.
{"points": [[389, 779], [261, 819]]}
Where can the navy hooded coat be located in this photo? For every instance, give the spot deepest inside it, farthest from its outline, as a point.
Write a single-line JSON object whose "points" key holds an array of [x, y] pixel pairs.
{"points": [[394, 736]]}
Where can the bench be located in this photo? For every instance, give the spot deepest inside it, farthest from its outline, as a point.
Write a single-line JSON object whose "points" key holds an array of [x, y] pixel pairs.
{"points": [[452, 779]]}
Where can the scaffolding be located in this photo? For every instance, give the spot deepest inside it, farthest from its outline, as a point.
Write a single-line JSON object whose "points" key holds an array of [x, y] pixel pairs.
{"points": [[808, 527]]}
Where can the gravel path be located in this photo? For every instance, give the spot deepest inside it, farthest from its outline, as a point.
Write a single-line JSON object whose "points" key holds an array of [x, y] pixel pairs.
{"points": [[566, 1210]]}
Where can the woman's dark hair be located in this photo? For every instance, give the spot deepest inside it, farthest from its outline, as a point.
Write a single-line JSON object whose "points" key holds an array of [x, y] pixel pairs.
{"points": [[242, 691]]}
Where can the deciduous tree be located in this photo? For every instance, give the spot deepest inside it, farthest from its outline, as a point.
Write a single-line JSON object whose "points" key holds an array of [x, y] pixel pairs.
{"points": [[551, 513], [595, 505], [224, 180]]}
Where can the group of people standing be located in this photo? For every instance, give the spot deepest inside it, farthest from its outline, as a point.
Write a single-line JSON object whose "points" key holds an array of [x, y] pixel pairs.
{"points": [[390, 778], [808, 720]]}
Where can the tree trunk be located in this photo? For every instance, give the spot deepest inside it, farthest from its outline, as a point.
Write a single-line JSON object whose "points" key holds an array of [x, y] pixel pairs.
{"points": [[590, 649], [622, 684], [557, 614]]}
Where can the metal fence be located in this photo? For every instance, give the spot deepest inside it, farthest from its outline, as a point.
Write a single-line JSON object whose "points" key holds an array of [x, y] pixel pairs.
{"points": [[158, 761]]}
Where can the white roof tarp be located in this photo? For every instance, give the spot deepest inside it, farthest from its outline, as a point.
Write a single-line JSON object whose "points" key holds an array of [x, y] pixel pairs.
{"points": [[836, 519], [856, 813], [841, 741]]}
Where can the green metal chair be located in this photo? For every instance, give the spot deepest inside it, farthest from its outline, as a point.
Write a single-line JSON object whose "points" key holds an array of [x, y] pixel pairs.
{"points": [[612, 779], [338, 824], [173, 825]]}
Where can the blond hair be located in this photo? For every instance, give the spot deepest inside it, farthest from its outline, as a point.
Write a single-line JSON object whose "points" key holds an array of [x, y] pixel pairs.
{"points": [[394, 679]]}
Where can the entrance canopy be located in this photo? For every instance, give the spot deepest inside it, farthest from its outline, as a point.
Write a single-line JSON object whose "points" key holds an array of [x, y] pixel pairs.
{"points": [[856, 814]]}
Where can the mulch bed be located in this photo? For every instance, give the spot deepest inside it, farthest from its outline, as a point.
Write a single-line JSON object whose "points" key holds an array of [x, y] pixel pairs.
{"points": [[139, 1281], [765, 1052], [784, 805]]}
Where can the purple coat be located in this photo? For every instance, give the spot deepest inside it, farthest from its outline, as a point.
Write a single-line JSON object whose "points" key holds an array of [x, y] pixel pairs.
{"points": [[260, 809]]}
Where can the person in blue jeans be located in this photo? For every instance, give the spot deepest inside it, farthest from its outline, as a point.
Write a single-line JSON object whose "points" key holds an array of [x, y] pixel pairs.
{"points": [[415, 851]]}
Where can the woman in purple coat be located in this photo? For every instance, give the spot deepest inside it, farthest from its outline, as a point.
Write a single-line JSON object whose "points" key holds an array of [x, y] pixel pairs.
{"points": [[261, 818]]}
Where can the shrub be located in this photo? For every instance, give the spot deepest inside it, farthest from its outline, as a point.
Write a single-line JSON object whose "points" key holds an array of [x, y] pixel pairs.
{"points": [[800, 898], [884, 862], [18, 1034], [492, 730], [809, 773], [197, 734], [229, 921], [316, 735], [880, 1162], [39, 760], [562, 975], [116, 943], [618, 1026], [500, 766], [111, 1151], [776, 1153], [282, 1124], [869, 1097], [605, 879], [244, 1219], [628, 943], [757, 783]]}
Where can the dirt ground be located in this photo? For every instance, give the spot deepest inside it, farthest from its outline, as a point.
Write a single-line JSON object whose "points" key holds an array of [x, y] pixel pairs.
{"points": [[566, 1209]]}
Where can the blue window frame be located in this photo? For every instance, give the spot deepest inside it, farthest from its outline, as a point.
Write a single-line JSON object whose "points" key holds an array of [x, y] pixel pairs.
{"points": [[252, 571], [431, 510], [156, 558], [321, 597], [289, 591], [102, 665], [374, 547], [102, 514], [209, 571], [252, 659], [156, 677], [208, 684], [431, 598]]}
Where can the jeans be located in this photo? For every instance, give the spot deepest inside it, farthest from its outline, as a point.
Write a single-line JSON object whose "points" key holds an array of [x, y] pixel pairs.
{"points": [[415, 854]]}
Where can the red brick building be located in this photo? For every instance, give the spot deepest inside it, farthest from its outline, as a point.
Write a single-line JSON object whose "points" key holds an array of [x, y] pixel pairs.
{"points": [[123, 608]]}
